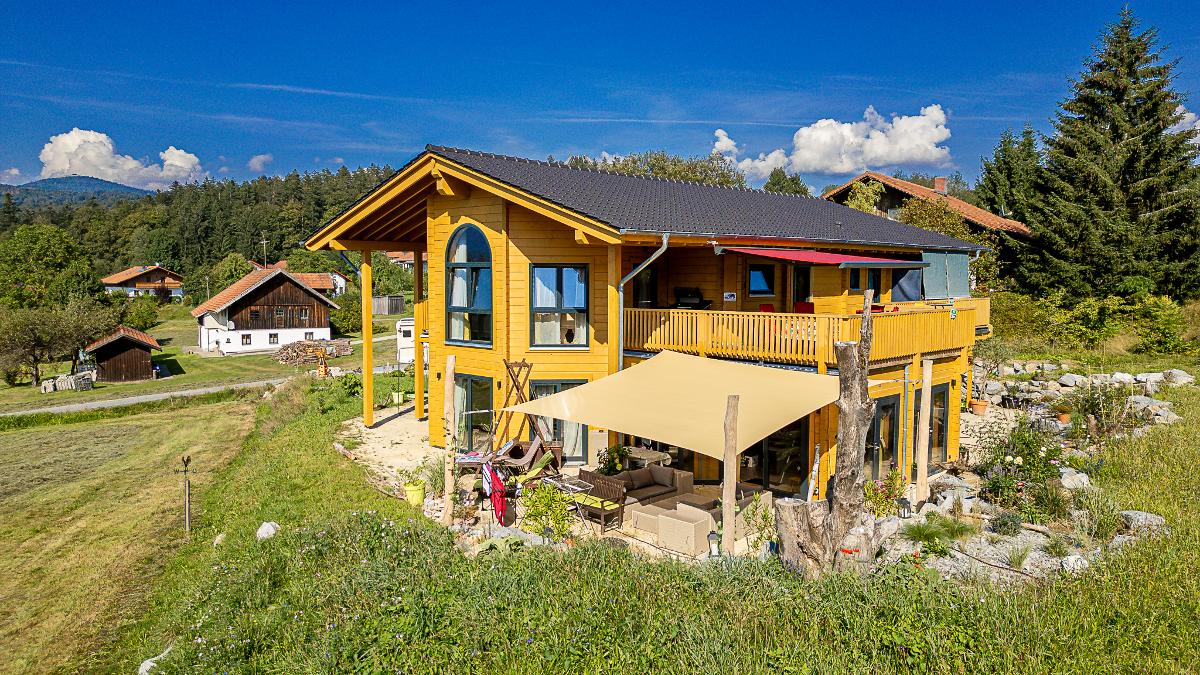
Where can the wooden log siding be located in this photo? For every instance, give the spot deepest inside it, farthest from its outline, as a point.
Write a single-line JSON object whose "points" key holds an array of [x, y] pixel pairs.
{"points": [[279, 293], [123, 360], [805, 339]]}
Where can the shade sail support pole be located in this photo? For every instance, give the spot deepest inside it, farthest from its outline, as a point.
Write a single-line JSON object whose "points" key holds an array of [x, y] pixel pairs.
{"points": [[450, 427], [922, 486], [730, 470]]}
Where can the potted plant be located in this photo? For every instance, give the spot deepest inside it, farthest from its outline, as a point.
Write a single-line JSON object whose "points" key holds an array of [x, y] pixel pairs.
{"points": [[414, 486], [1062, 409], [992, 354]]}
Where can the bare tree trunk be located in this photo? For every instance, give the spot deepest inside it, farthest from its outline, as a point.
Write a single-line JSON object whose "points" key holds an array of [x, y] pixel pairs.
{"points": [[813, 533]]}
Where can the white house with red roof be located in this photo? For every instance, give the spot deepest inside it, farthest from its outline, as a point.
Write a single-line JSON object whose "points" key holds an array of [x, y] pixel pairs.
{"points": [[261, 312]]}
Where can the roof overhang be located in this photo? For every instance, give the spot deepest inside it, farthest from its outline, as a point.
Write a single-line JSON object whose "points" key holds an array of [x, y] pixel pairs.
{"points": [[278, 271], [680, 399], [824, 257], [393, 216]]}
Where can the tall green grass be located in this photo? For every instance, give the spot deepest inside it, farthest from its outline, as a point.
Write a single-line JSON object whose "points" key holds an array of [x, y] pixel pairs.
{"points": [[14, 422], [357, 582]]}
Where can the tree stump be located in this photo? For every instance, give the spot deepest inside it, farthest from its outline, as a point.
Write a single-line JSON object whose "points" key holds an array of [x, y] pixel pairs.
{"points": [[813, 535]]}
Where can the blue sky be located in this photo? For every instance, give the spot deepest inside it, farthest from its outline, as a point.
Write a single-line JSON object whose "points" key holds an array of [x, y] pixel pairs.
{"points": [[315, 85]]}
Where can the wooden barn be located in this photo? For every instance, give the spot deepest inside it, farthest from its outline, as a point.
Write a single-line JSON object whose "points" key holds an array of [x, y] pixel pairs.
{"points": [[123, 355], [263, 311]]}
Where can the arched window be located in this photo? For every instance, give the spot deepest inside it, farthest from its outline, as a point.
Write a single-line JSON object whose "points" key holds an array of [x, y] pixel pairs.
{"points": [[469, 287]]}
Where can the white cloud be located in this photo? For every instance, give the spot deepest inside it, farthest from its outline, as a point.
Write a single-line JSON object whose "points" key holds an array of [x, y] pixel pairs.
{"points": [[1190, 120], [260, 162], [724, 144], [91, 153], [10, 174], [338, 160], [224, 169], [832, 147]]}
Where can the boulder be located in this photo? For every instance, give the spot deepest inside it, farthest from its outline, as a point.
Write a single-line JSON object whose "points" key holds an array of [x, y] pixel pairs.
{"points": [[1123, 378], [1140, 403], [1166, 417], [1072, 380], [1051, 395], [1100, 378], [1177, 377], [1142, 522], [1049, 367], [1074, 563], [1121, 541], [1017, 367], [886, 528], [1072, 479], [267, 530], [993, 387], [1149, 377], [148, 664]]}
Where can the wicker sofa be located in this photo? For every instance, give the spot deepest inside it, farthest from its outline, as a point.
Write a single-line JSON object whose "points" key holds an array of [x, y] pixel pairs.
{"points": [[642, 486]]}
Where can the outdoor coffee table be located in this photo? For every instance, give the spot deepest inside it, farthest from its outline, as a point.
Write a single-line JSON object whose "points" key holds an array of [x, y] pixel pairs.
{"points": [[573, 486], [697, 500]]}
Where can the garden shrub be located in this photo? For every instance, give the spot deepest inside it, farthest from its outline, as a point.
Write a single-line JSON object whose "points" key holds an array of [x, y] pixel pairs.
{"points": [[1086, 322], [1017, 465], [881, 495], [141, 313], [1161, 327], [546, 511], [1098, 516], [1007, 523], [1102, 410], [936, 533], [612, 460], [1057, 547], [1022, 319]]}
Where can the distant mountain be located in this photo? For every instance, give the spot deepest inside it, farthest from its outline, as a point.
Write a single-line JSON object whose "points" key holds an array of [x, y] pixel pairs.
{"points": [[70, 190]]}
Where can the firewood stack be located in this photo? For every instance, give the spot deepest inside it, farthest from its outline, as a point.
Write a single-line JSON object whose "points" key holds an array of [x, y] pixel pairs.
{"points": [[309, 351]]}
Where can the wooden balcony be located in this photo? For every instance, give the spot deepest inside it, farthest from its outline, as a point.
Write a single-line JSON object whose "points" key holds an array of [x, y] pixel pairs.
{"points": [[801, 339]]}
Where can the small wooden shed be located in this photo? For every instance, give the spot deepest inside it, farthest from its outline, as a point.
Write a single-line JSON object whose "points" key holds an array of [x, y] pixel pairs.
{"points": [[123, 355]]}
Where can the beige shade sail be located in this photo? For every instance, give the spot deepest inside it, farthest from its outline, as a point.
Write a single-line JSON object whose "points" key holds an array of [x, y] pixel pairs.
{"points": [[680, 399]]}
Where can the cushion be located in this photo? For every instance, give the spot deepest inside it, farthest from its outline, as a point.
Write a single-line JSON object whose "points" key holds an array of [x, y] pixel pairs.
{"points": [[624, 478], [663, 475], [596, 502], [641, 478], [648, 492]]}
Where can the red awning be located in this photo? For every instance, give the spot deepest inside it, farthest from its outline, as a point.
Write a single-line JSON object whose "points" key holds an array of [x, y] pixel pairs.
{"points": [[825, 258]]}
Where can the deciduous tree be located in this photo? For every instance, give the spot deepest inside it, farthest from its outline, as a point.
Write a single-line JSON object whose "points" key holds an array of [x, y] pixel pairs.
{"points": [[790, 184], [712, 169]]}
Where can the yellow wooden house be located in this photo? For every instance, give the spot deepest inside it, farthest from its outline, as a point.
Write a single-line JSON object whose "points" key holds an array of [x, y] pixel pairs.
{"points": [[582, 273]]}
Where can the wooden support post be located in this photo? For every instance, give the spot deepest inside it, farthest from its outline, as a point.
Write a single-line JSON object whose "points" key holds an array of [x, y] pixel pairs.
{"points": [[922, 486], [614, 316], [418, 328], [368, 357], [729, 484], [450, 425]]}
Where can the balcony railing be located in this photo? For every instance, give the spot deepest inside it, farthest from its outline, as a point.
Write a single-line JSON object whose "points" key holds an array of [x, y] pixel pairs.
{"points": [[805, 339]]}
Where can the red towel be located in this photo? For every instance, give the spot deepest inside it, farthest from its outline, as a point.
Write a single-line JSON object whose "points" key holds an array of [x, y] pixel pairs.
{"points": [[498, 503]]}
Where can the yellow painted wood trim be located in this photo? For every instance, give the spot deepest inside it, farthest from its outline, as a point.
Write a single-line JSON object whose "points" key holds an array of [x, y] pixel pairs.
{"points": [[368, 361], [590, 226], [360, 245], [401, 182]]}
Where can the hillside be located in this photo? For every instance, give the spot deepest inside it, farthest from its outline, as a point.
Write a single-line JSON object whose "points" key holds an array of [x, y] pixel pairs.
{"points": [[70, 190]]}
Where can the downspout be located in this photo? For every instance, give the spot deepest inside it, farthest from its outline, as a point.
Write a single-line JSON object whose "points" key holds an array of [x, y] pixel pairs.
{"points": [[621, 298]]}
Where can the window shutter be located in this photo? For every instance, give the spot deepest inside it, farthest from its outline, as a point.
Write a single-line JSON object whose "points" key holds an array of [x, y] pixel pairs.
{"points": [[935, 279]]}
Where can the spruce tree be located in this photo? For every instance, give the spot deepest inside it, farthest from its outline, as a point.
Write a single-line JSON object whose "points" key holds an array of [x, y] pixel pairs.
{"points": [[1118, 204], [1007, 186]]}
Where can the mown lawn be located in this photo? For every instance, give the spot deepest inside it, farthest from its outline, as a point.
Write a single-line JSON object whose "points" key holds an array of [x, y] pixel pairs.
{"points": [[89, 514], [176, 331], [357, 582]]}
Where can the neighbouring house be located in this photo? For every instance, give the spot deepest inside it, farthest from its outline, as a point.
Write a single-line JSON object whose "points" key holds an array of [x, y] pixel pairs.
{"points": [[329, 284], [897, 191], [589, 275], [263, 311], [140, 280], [123, 356], [405, 259]]}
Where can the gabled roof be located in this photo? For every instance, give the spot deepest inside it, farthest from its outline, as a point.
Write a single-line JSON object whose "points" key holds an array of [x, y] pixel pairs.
{"points": [[607, 205], [134, 272], [656, 205], [251, 281], [321, 281], [127, 333], [973, 214]]}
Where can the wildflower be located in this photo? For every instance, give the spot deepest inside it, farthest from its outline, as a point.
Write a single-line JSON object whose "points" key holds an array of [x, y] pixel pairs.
{"points": [[1042, 452], [1018, 461], [1054, 462], [1008, 458]]}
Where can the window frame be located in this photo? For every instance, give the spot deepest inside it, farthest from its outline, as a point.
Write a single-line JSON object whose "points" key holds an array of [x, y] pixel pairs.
{"points": [[855, 279], [255, 314], [467, 379], [449, 268], [559, 307], [309, 336], [272, 338], [773, 292], [568, 460], [246, 339]]}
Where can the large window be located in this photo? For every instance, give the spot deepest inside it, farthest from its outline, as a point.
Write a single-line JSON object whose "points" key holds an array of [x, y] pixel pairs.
{"points": [[883, 438], [939, 420], [559, 305], [572, 434], [469, 287], [761, 281], [473, 407]]}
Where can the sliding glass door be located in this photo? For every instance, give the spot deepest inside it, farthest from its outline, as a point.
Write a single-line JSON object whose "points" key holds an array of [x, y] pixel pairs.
{"points": [[473, 406], [883, 437], [572, 434], [939, 420]]}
